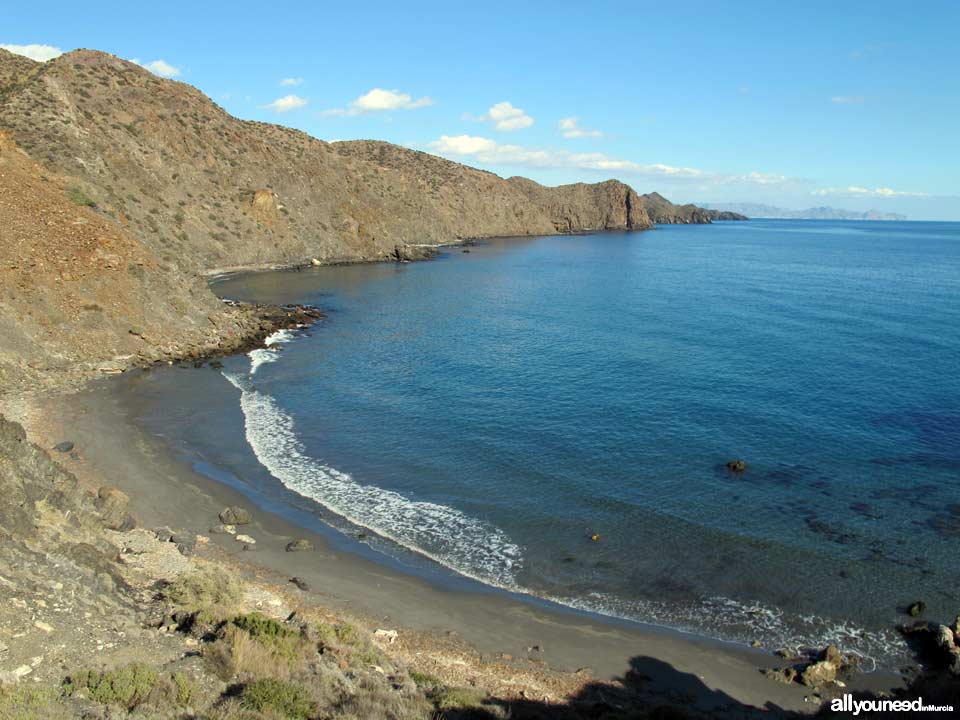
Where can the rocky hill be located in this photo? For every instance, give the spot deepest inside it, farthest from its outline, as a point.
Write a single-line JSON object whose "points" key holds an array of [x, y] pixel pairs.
{"points": [[204, 188], [81, 292], [119, 189]]}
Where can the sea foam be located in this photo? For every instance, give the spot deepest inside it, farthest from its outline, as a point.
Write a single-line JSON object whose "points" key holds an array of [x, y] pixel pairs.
{"points": [[443, 534], [269, 354]]}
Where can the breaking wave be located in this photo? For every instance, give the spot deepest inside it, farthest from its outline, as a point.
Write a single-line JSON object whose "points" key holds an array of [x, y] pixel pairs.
{"points": [[447, 536]]}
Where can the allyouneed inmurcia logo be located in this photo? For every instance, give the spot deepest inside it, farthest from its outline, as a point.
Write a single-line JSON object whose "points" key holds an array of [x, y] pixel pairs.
{"points": [[848, 704]]}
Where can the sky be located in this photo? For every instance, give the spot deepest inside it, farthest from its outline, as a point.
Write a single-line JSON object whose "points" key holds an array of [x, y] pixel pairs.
{"points": [[849, 104]]}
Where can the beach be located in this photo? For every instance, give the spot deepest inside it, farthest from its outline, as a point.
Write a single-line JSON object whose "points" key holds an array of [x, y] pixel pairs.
{"points": [[486, 633]]}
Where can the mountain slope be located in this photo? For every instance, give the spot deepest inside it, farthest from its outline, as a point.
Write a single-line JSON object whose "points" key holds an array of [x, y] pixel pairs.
{"points": [[207, 190], [78, 292]]}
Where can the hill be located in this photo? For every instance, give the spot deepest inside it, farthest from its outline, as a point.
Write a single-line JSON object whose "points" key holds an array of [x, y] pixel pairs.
{"points": [[759, 210], [119, 189], [205, 189]]}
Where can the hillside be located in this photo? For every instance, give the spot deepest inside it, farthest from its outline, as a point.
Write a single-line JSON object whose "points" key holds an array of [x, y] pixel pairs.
{"points": [[202, 187], [81, 293], [119, 189]]}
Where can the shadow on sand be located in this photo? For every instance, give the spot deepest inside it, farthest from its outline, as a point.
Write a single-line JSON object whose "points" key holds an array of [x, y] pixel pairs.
{"points": [[654, 689]]}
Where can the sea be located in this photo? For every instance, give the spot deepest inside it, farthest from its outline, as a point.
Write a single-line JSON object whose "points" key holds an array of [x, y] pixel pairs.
{"points": [[552, 416]]}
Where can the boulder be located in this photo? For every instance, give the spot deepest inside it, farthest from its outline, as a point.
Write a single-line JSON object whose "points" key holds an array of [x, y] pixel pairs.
{"points": [[787, 675], [917, 608], [818, 674], [64, 447], [235, 516], [112, 506], [299, 545], [832, 655], [736, 466], [947, 642]]}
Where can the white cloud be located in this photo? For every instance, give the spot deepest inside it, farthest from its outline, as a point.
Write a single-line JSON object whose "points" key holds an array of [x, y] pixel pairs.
{"points": [[40, 53], [159, 67], [505, 117], [570, 128], [286, 103], [291, 82], [487, 150], [848, 100], [379, 100], [854, 191]]}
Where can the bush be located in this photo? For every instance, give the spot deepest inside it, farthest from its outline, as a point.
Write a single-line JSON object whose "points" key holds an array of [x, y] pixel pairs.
{"points": [[28, 703], [456, 698], [75, 194], [287, 699], [239, 654], [211, 590], [130, 686], [262, 628]]}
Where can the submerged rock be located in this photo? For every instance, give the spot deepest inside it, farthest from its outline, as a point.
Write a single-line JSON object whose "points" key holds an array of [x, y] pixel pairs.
{"points": [[736, 466], [235, 516], [64, 447], [916, 608]]}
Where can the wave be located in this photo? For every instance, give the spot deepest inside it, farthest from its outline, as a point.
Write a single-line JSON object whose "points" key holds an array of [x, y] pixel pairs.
{"points": [[269, 354], [731, 620], [443, 534]]}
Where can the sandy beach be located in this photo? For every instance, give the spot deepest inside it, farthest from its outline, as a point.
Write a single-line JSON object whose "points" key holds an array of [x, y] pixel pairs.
{"points": [[487, 631]]}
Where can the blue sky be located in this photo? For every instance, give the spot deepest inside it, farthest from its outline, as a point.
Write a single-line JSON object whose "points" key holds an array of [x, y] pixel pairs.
{"points": [[850, 104]]}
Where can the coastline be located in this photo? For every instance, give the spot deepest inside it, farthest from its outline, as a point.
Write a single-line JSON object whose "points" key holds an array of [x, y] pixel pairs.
{"points": [[492, 632]]}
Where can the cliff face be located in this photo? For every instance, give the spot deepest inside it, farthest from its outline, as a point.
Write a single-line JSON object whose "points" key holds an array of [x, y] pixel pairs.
{"points": [[207, 190]]}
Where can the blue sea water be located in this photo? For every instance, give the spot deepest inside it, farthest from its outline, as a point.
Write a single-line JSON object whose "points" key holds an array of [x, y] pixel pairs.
{"points": [[492, 411]]}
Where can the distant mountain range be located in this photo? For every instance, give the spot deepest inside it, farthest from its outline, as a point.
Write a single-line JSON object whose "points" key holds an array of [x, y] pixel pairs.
{"points": [[759, 210]]}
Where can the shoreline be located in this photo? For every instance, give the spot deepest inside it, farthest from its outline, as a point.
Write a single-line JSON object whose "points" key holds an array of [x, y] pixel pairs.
{"points": [[498, 629]]}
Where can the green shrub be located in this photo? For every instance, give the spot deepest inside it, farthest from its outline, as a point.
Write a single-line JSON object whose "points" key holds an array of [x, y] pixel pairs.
{"points": [[28, 703], [263, 628], [211, 590], [287, 699], [75, 194], [128, 686], [456, 698], [424, 679]]}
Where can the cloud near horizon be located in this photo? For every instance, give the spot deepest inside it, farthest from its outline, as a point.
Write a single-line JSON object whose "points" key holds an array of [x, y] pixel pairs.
{"points": [[40, 53], [286, 103], [854, 191], [487, 150], [848, 100], [505, 116], [291, 81], [570, 128], [159, 67], [379, 100]]}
